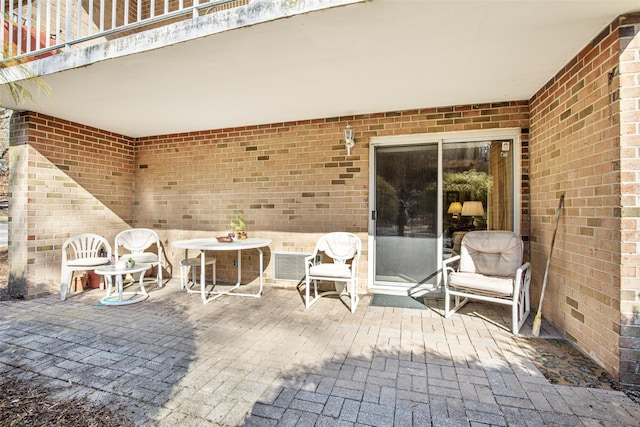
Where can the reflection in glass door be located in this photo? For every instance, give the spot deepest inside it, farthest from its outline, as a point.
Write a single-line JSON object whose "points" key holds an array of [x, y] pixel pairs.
{"points": [[406, 222], [477, 189]]}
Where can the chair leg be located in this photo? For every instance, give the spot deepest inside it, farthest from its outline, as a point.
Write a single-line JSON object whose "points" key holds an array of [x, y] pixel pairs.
{"points": [[159, 266], [447, 303], [65, 283], [184, 270], [354, 296], [458, 302], [306, 291]]}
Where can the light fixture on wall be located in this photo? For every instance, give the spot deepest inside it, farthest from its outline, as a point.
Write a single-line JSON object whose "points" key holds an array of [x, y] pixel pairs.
{"points": [[473, 209], [455, 209], [349, 142]]}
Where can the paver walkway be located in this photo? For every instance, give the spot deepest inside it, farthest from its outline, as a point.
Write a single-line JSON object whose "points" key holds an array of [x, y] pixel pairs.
{"points": [[173, 361]]}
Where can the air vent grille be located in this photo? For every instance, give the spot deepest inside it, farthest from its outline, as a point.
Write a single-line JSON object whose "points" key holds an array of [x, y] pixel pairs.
{"points": [[289, 266]]}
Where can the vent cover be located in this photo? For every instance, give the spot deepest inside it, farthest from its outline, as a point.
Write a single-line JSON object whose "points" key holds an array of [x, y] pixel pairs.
{"points": [[289, 266]]}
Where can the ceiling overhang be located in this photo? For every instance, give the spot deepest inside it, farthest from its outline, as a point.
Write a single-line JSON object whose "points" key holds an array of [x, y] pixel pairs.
{"points": [[355, 58]]}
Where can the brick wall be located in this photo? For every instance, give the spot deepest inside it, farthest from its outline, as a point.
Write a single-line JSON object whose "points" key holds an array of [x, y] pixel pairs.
{"points": [[292, 181], [66, 179], [575, 149]]}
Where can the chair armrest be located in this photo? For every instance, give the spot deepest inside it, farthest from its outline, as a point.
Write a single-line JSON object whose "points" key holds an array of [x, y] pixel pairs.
{"points": [[310, 261], [524, 267], [446, 268], [523, 279], [448, 261]]}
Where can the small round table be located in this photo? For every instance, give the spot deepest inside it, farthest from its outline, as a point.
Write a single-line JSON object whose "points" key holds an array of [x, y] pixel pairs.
{"points": [[115, 296]]}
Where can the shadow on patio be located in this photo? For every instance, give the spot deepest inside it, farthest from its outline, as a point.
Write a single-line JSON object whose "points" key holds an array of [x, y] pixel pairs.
{"points": [[173, 361]]}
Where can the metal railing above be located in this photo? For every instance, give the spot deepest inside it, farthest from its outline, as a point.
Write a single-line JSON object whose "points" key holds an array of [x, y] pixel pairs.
{"points": [[40, 28]]}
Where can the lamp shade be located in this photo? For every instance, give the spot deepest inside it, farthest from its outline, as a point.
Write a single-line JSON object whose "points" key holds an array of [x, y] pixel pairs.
{"points": [[455, 208], [472, 208]]}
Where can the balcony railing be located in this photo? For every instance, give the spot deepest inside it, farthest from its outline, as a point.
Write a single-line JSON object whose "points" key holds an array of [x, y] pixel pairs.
{"points": [[39, 28]]}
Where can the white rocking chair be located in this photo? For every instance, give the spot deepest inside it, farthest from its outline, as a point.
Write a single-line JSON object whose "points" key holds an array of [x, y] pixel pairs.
{"points": [[490, 269]]}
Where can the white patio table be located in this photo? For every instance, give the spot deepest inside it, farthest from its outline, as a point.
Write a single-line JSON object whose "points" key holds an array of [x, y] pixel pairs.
{"points": [[116, 298], [212, 244]]}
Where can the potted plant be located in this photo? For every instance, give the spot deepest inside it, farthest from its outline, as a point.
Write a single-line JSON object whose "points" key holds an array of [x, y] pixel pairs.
{"points": [[239, 227]]}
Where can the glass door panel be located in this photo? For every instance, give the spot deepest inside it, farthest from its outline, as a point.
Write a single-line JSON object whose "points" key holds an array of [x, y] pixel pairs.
{"points": [[406, 223], [477, 189]]}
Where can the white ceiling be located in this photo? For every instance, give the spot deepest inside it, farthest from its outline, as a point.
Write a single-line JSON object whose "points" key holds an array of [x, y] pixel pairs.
{"points": [[376, 56]]}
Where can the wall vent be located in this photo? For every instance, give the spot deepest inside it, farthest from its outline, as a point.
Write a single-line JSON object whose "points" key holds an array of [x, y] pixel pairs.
{"points": [[289, 266]]}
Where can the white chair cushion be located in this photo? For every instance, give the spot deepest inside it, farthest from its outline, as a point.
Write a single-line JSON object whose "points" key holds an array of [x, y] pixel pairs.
{"points": [[331, 270], [493, 253], [342, 246], [479, 282], [143, 257], [87, 262]]}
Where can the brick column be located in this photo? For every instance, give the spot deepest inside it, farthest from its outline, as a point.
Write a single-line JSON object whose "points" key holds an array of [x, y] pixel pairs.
{"points": [[66, 179], [628, 79]]}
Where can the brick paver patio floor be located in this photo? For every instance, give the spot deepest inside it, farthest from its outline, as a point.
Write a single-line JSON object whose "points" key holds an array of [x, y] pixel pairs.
{"points": [[171, 361]]}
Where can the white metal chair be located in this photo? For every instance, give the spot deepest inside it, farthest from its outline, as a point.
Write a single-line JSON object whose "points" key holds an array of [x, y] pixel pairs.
{"points": [[81, 253], [339, 247], [194, 264], [490, 269], [138, 243]]}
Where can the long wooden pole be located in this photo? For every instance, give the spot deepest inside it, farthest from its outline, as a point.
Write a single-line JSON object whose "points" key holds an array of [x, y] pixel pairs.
{"points": [[538, 320]]}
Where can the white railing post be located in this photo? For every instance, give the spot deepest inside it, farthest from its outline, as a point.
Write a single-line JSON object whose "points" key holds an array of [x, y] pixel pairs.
{"points": [[196, 10], [47, 25], [68, 38], [58, 26], [114, 14], [19, 29]]}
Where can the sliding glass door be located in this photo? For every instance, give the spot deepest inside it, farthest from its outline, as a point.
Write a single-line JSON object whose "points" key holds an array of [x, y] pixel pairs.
{"points": [[426, 195]]}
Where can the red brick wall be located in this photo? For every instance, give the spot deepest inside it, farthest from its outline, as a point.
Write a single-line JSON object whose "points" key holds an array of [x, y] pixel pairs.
{"points": [[66, 179], [292, 181], [575, 149]]}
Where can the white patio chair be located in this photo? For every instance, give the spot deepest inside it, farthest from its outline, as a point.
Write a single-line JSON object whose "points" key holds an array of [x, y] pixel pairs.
{"points": [[340, 248], [138, 242], [81, 253], [490, 269]]}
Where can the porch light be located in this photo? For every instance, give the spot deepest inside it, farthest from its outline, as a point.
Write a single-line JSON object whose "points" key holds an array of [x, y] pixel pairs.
{"points": [[349, 142], [455, 208]]}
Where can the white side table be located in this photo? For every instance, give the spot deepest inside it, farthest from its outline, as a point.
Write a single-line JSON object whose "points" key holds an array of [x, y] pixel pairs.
{"points": [[115, 296]]}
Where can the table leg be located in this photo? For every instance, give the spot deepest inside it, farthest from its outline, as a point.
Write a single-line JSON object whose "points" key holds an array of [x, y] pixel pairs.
{"points": [[109, 285], [119, 282], [143, 291], [239, 268], [237, 285], [202, 284], [136, 296]]}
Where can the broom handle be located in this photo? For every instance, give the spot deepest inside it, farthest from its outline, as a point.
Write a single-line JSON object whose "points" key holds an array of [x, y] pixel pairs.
{"points": [[553, 240]]}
